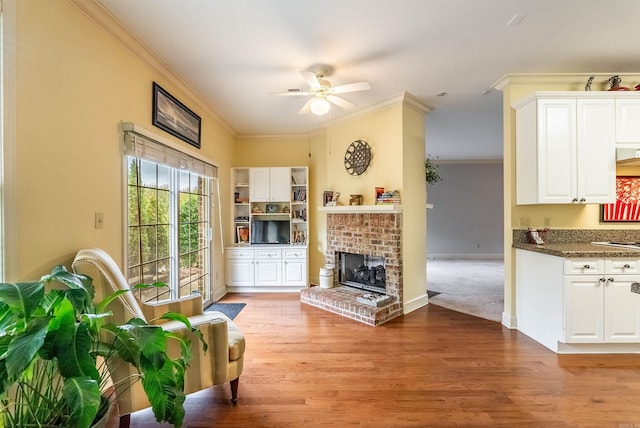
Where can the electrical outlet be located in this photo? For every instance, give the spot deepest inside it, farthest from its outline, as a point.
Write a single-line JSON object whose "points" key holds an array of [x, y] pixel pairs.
{"points": [[525, 221], [99, 220]]}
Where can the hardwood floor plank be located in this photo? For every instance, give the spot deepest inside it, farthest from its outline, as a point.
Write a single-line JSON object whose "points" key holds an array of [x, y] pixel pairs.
{"points": [[305, 367]]}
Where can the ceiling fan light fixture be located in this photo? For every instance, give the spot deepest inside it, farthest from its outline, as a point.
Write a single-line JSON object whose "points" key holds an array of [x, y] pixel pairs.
{"points": [[320, 106]]}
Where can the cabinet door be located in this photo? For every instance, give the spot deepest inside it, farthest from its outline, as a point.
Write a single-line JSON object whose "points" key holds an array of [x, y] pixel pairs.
{"points": [[596, 153], [627, 120], [621, 310], [556, 129], [583, 309], [240, 272], [259, 185], [268, 272], [294, 272], [280, 184]]}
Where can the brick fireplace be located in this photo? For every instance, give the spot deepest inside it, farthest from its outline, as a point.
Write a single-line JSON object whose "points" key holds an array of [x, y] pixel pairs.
{"points": [[368, 231]]}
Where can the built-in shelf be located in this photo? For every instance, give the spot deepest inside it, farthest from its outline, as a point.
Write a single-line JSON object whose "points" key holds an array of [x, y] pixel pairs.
{"points": [[361, 209]]}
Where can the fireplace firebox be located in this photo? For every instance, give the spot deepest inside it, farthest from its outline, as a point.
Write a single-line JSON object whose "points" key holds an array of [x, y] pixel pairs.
{"points": [[362, 271]]}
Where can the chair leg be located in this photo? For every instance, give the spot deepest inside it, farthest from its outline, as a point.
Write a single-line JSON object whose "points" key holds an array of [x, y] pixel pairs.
{"points": [[234, 390], [125, 420]]}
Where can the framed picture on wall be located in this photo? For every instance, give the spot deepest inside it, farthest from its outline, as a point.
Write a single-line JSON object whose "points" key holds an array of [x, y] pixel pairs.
{"points": [[627, 205], [172, 116]]}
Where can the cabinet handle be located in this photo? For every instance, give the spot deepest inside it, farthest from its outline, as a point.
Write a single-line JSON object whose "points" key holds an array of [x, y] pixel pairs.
{"points": [[587, 266], [609, 280], [575, 200], [627, 266], [583, 200], [602, 280]]}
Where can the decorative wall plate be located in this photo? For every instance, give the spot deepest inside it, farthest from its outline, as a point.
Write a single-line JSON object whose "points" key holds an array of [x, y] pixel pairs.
{"points": [[357, 157]]}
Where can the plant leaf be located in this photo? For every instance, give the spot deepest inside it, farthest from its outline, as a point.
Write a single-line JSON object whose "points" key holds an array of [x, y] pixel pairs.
{"points": [[74, 358], [165, 395], [24, 347], [23, 297], [82, 394]]}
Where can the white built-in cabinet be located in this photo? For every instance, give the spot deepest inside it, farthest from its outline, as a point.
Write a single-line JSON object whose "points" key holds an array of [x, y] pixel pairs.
{"points": [[578, 305], [269, 184], [266, 267], [565, 150], [261, 195]]}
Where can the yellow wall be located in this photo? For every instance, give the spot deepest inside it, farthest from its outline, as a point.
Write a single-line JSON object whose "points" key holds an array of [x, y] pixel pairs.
{"points": [[382, 130], [74, 84], [515, 88]]}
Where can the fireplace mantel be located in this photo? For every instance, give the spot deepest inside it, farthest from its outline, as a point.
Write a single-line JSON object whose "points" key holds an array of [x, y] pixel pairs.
{"points": [[360, 209]]}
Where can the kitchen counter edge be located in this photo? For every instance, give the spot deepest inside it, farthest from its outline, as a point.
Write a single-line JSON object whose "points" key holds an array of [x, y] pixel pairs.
{"points": [[578, 250]]}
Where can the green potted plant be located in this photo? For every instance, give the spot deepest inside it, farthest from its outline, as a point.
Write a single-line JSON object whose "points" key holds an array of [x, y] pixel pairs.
{"points": [[431, 171], [56, 346]]}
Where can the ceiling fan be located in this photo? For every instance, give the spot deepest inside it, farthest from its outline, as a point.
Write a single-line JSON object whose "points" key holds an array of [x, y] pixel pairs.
{"points": [[323, 94]]}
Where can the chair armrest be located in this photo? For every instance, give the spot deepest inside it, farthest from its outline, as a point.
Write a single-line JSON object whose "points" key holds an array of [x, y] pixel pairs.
{"points": [[188, 306]]}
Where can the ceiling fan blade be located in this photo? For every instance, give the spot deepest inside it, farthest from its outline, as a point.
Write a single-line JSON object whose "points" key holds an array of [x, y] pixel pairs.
{"points": [[340, 102], [306, 107], [351, 87], [311, 78], [292, 93]]}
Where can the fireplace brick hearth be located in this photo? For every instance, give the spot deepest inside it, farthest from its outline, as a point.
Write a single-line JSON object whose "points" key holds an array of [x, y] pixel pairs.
{"points": [[369, 233]]}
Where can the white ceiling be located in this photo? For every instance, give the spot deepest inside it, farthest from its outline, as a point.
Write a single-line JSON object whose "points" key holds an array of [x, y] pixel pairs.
{"points": [[234, 53]]}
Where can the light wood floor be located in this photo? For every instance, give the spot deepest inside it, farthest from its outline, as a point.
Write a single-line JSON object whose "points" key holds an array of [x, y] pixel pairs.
{"points": [[305, 367]]}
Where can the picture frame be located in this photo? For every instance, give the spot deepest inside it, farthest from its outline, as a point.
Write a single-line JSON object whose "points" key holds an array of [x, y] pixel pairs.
{"points": [[327, 196], [627, 205], [172, 116], [242, 234]]}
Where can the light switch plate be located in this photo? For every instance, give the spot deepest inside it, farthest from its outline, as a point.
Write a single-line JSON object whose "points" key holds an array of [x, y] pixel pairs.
{"points": [[635, 287]]}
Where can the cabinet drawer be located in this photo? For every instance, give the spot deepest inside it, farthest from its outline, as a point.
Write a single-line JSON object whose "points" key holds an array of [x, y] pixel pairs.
{"points": [[583, 267], [268, 254], [239, 254], [294, 254], [624, 266]]}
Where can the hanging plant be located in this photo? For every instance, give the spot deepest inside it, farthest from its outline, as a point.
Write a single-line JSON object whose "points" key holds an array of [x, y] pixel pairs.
{"points": [[431, 172]]}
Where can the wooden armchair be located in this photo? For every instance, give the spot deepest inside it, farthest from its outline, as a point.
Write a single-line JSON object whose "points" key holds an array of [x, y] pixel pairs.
{"points": [[221, 363]]}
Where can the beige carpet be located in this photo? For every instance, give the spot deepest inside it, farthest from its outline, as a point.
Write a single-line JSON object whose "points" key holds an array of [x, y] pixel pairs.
{"points": [[470, 286]]}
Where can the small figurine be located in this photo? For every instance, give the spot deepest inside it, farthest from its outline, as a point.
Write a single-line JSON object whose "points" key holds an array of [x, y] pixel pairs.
{"points": [[615, 81], [587, 87]]}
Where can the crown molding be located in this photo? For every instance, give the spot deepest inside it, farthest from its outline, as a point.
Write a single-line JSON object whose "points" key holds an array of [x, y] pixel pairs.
{"points": [[103, 18], [576, 81]]}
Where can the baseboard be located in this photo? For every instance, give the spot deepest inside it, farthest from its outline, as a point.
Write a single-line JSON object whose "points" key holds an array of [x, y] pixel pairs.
{"points": [[509, 321], [466, 256], [413, 304]]}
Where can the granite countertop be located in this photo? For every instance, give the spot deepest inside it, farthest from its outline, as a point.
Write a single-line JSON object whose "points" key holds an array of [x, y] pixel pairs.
{"points": [[578, 250]]}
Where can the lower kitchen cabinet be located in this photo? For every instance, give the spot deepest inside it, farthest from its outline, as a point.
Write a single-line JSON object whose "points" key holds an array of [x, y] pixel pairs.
{"points": [[578, 305], [277, 268]]}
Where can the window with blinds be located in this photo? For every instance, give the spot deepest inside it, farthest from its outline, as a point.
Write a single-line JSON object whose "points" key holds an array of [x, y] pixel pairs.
{"points": [[168, 220]]}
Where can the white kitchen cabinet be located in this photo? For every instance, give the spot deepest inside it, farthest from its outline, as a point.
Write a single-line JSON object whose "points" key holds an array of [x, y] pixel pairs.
{"points": [[565, 151], [269, 184], [578, 305], [602, 308], [268, 267], [627, 120]]}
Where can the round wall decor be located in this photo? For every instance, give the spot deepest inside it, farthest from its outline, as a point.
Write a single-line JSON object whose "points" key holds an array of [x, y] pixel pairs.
{"points": [[357, 157]]}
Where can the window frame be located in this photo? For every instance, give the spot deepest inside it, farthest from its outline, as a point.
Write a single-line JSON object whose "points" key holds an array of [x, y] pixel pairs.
{"points": [[133, 136]]}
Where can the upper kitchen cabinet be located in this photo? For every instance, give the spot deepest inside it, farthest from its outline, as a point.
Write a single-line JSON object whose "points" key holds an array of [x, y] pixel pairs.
{"points": [[565, 150], [627, 120], [269, 184]]}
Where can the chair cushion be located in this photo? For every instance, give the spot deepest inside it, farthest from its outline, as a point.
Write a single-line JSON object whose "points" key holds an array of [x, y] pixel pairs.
{"points": [[236, 338]]}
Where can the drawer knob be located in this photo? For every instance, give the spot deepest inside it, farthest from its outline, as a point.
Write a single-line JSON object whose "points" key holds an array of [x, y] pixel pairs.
{"points": [[587, 266], [626, 266], [602, 280]]}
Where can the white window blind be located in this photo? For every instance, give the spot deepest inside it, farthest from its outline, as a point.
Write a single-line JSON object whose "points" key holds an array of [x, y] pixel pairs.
{"points": [[143, 147]]}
